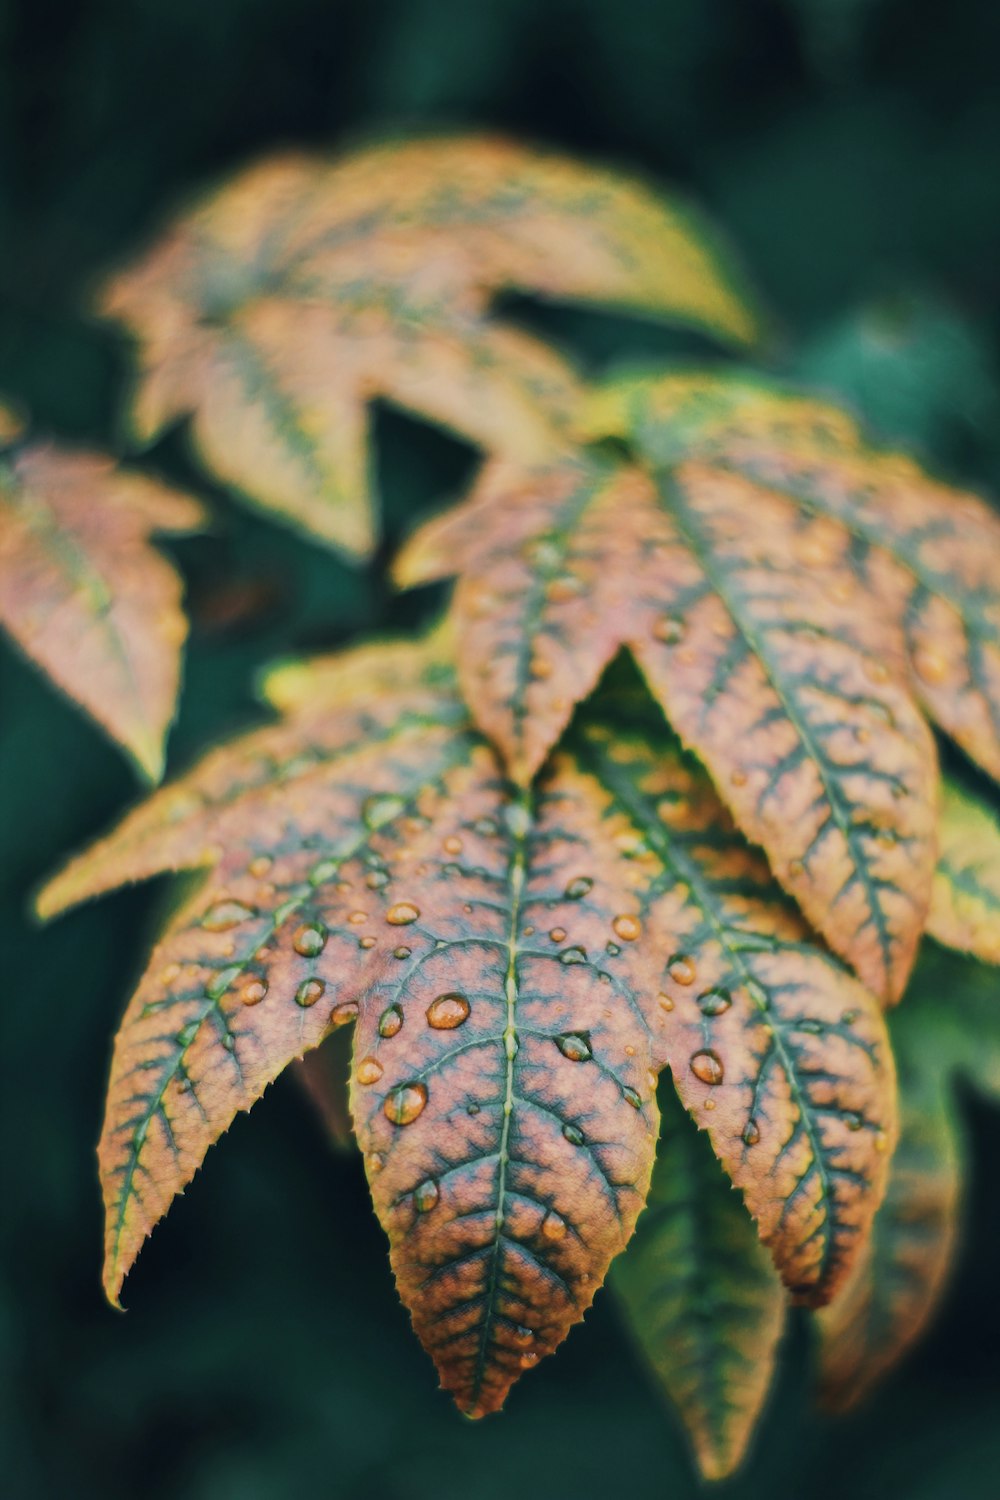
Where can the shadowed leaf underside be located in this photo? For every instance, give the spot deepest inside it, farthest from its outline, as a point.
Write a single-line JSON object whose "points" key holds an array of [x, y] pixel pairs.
{"points": [[85, 594], [275, 310], [701, 1297], [743, 613]]}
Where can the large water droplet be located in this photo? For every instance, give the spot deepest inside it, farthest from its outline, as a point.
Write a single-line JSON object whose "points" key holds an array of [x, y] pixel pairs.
{"points": [[573, 1134], [579, 887], [426, 1196], [751, 1132], [309, 992], [448, 1011], [390, 1021], [573, 956], [707, 1066], [627, 928], [553, 1227], [404, 1103], [575, 1045], [452, 844], [369, 1070], [344, 1013], [381, 808], [402, 913], [558, 934], [223, 915], [253, 990], [376, 879], [682, 969], [309, 940], [401, 952], [714, 1002], [631, 1097]]}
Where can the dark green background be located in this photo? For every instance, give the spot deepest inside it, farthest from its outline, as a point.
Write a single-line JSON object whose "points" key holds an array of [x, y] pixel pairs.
{"points": [[850, 147]]}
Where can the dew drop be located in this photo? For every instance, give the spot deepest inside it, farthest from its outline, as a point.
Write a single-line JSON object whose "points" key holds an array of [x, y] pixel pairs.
{"points": [[612, 950], [751, 1132], [401, 952], [369, 1070], [573, 956], [511, 1045], [309, 992], [356, 918], [223, 915], [553, 1227], [522, 1336], [425, 1197], [664, 1001], [259, 866], [518, 819], [627, 928], [631, 1097], [220, 983], [324, 871], [367, 942], [714, 1002], [310, 939], [343, 1013], [402, 913], [376, 879], [579, 887], [575, 1045], [573, 1134], [682, 969], [558, 934], [253, 991], [707, 1066], [452, 844], [405, 1103], [486, 827], [376, 1162], [528, 1359], [852, 1120], [448, 1011], [931, 665], [669, 629], [187, 1033], [390, 1021], [472, 1109], [378, 810]]}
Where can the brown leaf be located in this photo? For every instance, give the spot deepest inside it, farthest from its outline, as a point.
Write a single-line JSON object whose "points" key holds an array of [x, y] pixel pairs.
{"points": [[795, 698], [276, 309], [84, 593]]}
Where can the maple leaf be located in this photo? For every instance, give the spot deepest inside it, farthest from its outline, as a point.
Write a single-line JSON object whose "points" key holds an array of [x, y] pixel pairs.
{"points": [[747, 615], [280, 306], [701, 1298], [83, 592], [510, 960], [965, 902], [900, 1275]]}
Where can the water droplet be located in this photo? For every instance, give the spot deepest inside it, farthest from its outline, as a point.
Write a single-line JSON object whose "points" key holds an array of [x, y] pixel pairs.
{"points": [[931, 665], [259, 866], [310, 939], [223, 915], [714, 1002], [751, 1132], [612, 950], [627, 928], [573, 956], [558, 934], [707, 1066], [486, 827], [187, 1033], [852, 1120], [356, 918], [401, 952], [553, 1227], [522, 1336], [448, 1011], [404, 1103], [221, 981], [253, 991], [380, 809], [664, 1001], [452, 844], [518, 819], [573, 1134], [309, 992], [669, 629], [366, 942], [849, 1017], [528, 1359], [402, 913], [425, 1197], [376, 879], [324, 871], [369, 1070], [390, 1021], [575, 1045], [631, 1097], [229, 1041], [880, 1143], [579, 887], [682, 969], [376, 1162], [472, 1109], [343, 1013]]}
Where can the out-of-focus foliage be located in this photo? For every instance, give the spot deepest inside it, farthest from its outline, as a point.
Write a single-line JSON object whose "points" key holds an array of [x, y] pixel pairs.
{"points": [[83, 591]]}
